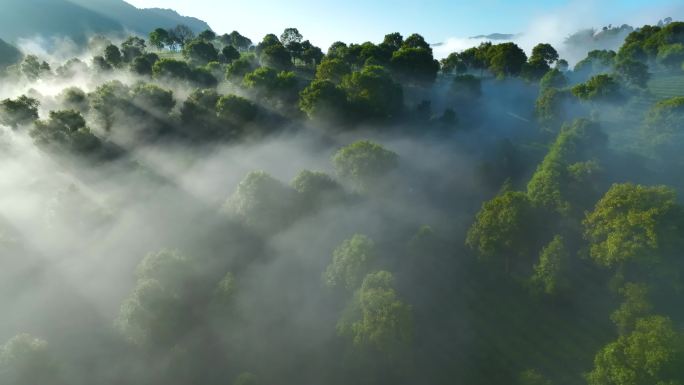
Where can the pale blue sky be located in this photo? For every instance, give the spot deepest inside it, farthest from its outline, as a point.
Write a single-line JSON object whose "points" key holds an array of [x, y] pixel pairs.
{"points": [[324, 22]]}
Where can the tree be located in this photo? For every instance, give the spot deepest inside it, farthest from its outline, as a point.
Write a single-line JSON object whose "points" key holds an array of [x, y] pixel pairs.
{"points": [[230, 54], [74, 98], [262, 202], [633, 72], [377, 320], [466, 88], [662, 130], [33, 68], [544, 52], [207, 35], [157, 314], [291, 35], [276, 56], [364, 164], [547, 276], [172, 69], [132, 48], [181, 34], [392, 42], [159, 38], [198, 113], [651, 354], [632, 223], [18, 112], [142, 65], [550, 108], [503, 229], [557, 184], [236, 110], [108, 101], [241, 67], [554, 79], [635, 306], [236, 40], [453, 63], [316, 189], [200, 52], [271, 83], [310, 55], [112, 55], [65, 131], [416, 41], [374, 93], [323, 100], [506, 59], [153, 99], [671, 56], [596, 62], [599, 88], [562, 65], [26, 360], [333, 70], [352, 260], [415, 65]]}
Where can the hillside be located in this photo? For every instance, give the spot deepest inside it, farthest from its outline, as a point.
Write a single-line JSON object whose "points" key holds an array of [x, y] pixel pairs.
{"points": [[8, 54], [76, 19]]}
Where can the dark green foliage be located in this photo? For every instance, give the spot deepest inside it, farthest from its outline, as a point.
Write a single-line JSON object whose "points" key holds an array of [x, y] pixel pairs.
{"points": [[74, 98], [171, 68], [364, 164], [564, 177], [352, 260], [553, 79], [374, 93], [413, 61], [262, 202], [33, 68], [600, 88], [548, 276], [230, 54], [323, 100], [241, 67], [651, 354], [596, 62], [236, 110], [200, 52], [236, 40], [270, 83], [633, 72], [503, 230], [466, 88], [142, 65], [132, 48], [633, 223], [663, 130], [65, 131], [333, 70], [26, 360], [113, 56], [18, 112], [506, 59]]}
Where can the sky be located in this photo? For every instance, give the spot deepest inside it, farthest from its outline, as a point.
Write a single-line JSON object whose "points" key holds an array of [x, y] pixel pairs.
{"points": [[324, 21]]}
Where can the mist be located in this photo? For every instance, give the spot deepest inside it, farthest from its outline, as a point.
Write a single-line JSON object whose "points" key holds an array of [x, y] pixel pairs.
{"points": [[172, 214]]}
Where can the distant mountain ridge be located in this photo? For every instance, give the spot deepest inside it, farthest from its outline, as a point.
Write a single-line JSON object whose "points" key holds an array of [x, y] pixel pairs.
{"points": [[497, 36], [77, 19]]}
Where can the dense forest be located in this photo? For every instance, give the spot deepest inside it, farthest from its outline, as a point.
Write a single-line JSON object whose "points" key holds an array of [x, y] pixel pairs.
{"points": [[194, 208]]}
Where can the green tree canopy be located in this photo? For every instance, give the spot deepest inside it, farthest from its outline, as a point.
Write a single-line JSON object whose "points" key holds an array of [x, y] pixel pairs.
{"points": [[364, 164]]}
